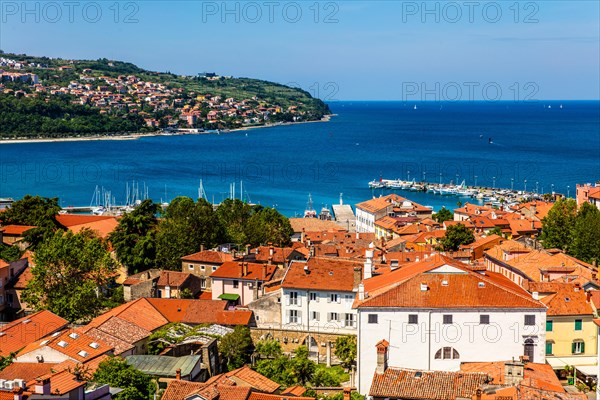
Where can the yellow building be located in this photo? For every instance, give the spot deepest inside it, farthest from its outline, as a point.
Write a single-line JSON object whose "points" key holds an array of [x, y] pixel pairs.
{"points": [[571, 334]]}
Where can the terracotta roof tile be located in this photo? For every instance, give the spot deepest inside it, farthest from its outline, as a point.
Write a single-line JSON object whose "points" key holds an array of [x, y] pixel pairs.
{"points": [[313, 224], [430, 385], [542, 374], [17, 334], [26, 371], [209, 256], [173, 278], [253, 379], [15, 230], [282, 396], [323, 274], [233, 270]]}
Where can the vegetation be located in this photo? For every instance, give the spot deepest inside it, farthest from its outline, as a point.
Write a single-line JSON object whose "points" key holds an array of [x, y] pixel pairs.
{"points": [[69, 272], [134, 239], [575, 232], [456, 235], [443, 215], [495, 231], [172, 334], [6, 361], [295, 371], [268, 349], [236, 347], [35, 211], [345, 350], [117, 373], [9, 253]]}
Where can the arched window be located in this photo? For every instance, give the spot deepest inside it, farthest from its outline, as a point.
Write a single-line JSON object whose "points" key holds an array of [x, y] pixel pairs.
{"points": [[528, 349], [447, 353]]}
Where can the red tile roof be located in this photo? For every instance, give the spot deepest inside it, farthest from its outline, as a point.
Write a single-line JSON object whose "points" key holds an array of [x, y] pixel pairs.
{"points": [[15, 230], [246, 376], [282, 396], [17, 334], [462, 288], [172, 278], [233, 270], [542, 375], [323, 274], [26, 371], [68, 220], [568, 300], [209, 256], [427, 385]]}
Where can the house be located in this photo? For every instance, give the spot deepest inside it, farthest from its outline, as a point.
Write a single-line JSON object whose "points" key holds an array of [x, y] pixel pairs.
{"points": [[436, 313], [588, 193], [317, 295], [171, 284], [142, 284], [204, 263], [481, 245], [11, 234], [570, 329], [101, 225], [9, 273], [69, 344], [370, 211], [278, 255], [17, 334], [241, 282]]}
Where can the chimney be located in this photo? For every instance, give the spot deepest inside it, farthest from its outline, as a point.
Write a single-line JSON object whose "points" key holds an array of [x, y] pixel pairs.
{"points": [[245, 269], [302, 236], [382, 356], [535, 295], [247, 249], [368, 267], [424, 287], [178, 374], [478, 394], [577, 287], [357, 235], [202, 247], [588, 296], [361, 291], [357, 277], [347, 393], [513, 372], [17, 393], [42, 386], [271, 249], [241, 269], [264, 272]]}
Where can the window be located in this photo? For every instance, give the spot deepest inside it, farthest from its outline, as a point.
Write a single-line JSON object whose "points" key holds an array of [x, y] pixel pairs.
{"points": [[578, 323], [549, 348], [73, 335], [578, 347], [530, 320], [447, 353], [413, 319], [549, 325], [372, 318], [528, 349], [349, 321], [294, 298], [314, 315], [447, 318], [94, 345], [333, 316], [334, 298], [202, 268], [214, 269], [191, 266], [294, 316], [203, 283], [83, 354], [484, 319], [63, 344], [236, 284], [313, 297]]}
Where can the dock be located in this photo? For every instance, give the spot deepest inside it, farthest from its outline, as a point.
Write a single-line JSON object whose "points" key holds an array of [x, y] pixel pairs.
{"points": [[344, 216]]}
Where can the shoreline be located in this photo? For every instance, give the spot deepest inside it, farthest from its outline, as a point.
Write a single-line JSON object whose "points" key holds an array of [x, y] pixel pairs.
{"points": [[136, 136]]}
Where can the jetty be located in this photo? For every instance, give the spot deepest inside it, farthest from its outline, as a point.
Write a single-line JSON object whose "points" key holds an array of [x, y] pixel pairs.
{"points": [[344, 216]]}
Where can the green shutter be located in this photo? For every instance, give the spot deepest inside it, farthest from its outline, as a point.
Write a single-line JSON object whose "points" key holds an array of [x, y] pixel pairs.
{"points": [[577, 324], [549, 326], [582, 347], [548, 347], [573, 348]]}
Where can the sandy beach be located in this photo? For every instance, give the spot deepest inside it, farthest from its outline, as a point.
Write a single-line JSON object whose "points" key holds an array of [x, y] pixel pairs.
{"points": [[136, 136]]}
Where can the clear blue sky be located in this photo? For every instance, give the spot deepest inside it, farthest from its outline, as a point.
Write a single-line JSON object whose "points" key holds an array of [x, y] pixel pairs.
{"points": [[387, 50]]}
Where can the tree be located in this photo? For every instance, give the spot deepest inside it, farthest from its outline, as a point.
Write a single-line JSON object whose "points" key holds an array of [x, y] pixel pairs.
{"points": [[9, 253], [68, 273], [456, 235], [6, 361], [233, 215], [323, 377], [235, 347], [117, 373], [35, 211], [495, 231], [268, 225], [134, 238], [557, 226], [268, 348], [345, 350], [443, 215], [301, 368], [185, 227], [585, 244]]}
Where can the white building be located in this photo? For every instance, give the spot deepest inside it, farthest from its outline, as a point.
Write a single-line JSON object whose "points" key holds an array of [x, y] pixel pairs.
{"points": [[317, 295], [370, 211], [437, 313]]}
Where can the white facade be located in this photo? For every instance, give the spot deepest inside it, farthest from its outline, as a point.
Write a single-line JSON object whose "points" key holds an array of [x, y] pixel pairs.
{"points": [[318, 311], [365, 221], [428, 343]]}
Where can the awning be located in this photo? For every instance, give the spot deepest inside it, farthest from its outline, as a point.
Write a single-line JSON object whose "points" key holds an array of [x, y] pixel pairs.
{"points": [[589, 370], [582, 362], [229, 296]]}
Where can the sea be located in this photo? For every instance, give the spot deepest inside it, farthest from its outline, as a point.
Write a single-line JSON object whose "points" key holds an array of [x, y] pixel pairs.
{"points": [[541, 146]]}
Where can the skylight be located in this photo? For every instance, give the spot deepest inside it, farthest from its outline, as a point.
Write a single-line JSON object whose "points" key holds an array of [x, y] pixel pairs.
{"points": [[94, 345], [62, 343], [73, 335], [83, 353]]}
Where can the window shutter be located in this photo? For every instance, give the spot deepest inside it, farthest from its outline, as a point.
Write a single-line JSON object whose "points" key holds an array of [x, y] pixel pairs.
{"points": [[582, 347], [317, 316], [338, 317], [287, 299], [299, 299], [329, 299], [299, 316], [328, 317], [573, 348], [339, 299], [317, 297]]}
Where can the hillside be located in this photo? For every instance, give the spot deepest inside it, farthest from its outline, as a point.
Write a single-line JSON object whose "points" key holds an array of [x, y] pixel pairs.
{"points": [[44, 97]]}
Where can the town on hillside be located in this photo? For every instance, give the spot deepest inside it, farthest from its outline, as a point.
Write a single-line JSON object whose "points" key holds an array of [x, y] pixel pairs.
{"points": [[150, 101], [238, 302]]}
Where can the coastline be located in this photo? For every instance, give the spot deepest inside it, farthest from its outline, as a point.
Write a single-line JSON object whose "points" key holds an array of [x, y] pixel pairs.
{"points": [[136, 136]]}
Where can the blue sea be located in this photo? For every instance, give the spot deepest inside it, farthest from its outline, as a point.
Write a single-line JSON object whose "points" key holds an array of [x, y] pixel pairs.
{"points": [[544, 146]]}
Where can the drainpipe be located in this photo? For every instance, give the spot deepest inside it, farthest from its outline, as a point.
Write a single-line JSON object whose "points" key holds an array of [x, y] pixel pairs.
{"points": [[429, 340]]}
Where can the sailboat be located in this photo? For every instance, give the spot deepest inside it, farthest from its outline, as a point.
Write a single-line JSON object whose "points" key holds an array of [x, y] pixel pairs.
{"points": [[310, 211]]}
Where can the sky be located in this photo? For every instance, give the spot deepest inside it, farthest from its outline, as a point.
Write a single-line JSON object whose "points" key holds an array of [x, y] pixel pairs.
{"points": [[336, 50]]}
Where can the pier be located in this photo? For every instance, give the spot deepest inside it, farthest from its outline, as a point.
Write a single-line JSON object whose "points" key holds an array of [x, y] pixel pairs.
{"points": [[344, 216]]}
